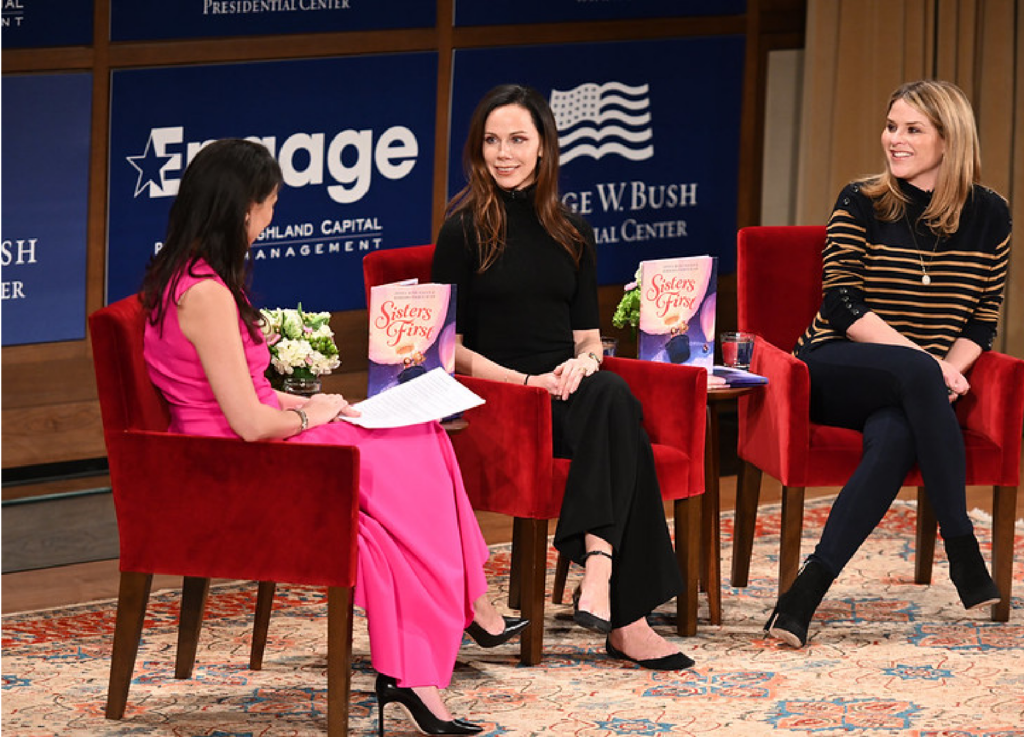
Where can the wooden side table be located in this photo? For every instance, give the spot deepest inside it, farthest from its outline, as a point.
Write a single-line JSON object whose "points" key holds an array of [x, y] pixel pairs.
{"points": [[711, 507]]}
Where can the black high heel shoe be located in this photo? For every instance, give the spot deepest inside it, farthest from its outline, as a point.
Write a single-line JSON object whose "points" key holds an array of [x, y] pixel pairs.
{"points": [[483, 638], [388, 691]]}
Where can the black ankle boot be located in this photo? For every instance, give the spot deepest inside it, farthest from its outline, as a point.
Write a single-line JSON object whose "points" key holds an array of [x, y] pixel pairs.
{"points": [[969, 574], [793, 612]]}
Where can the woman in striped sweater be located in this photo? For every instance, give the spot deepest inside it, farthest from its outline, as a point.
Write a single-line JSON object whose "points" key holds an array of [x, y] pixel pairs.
{"points": [[914, 266]]}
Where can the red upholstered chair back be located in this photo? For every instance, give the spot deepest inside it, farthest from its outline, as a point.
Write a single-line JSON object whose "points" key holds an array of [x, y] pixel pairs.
{"points": [[381, 267], [128, 399], [778, 281], [510, 427]]}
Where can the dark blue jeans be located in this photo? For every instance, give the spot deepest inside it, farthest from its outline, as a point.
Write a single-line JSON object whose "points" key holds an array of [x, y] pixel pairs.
{"points": [[897, 398]]}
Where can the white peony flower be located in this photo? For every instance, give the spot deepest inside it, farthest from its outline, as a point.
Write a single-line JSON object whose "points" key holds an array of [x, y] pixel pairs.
{"points": [[300, 340]]}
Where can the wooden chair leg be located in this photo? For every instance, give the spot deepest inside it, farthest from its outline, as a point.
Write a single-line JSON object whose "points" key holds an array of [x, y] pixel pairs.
{"points": [[261, 623], [924, 539], [748, 489], [533, 540], [561, 574], [1004, 514], [515, 566], [792, 529], [190, 622], [132, 597], [339, 659], [687, 521]]}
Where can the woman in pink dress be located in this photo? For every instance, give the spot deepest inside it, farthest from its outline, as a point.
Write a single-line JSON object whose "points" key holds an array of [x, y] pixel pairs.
{"points": [[420, 564]]}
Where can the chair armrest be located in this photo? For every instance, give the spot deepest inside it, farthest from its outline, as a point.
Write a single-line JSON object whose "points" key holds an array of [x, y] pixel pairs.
{"points": [[505, 452], [674, 401], [673, 397], [994, 407], [225, 508], [774, 424]]}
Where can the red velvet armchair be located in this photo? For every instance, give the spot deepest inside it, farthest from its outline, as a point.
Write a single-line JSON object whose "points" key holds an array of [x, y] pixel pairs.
{"points": [[505, 454], [209, 508], [779, 291]]}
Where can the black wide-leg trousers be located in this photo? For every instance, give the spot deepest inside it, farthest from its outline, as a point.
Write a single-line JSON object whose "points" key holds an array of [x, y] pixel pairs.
{"points": [[897, 398], [612, 492]]}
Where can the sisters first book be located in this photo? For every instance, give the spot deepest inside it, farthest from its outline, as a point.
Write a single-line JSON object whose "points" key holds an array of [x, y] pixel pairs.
{"points": [[677, 310], [412, 331]]}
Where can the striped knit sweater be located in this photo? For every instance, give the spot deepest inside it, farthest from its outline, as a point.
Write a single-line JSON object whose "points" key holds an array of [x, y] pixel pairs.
{"points": [[878, 266]]}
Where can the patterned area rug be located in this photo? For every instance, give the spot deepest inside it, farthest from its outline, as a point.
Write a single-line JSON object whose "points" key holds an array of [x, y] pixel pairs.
{"points": [[886, 657]]}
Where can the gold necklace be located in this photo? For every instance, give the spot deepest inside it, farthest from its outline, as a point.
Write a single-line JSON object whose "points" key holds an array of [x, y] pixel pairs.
{"points": [[925, 279]]}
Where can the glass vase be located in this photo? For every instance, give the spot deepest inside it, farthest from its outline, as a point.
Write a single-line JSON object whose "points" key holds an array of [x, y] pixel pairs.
{"points": [[305, 386]]}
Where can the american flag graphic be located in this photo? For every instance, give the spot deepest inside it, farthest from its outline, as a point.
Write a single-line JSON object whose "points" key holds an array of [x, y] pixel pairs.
{"points": [[598, 119]]}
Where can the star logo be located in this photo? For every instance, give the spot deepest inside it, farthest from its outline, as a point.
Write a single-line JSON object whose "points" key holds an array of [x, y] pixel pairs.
{"points": [[150, 166]]}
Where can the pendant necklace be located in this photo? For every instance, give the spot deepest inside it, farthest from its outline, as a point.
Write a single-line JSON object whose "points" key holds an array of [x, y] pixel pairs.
{"points": [[925, 279]]}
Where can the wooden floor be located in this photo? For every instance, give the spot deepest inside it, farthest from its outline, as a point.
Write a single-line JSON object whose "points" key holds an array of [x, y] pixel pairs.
{"points": [[54, 587]]}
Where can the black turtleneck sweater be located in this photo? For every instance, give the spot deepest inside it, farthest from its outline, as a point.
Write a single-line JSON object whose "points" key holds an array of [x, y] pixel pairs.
{"points": [[873, 265], [521, 312]]}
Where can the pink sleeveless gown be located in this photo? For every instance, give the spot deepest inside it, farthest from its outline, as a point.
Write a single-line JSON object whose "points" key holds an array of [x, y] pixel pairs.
{"points": [[421, 552]]}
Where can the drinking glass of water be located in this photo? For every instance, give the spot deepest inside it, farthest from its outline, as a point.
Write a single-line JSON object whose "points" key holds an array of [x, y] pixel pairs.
{"points": [[737, 349]]}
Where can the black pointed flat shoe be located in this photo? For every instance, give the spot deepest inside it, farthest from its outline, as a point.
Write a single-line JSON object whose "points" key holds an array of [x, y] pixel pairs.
{"points": [[675, 661], [582, 617], [587, 620], [483, 638]]}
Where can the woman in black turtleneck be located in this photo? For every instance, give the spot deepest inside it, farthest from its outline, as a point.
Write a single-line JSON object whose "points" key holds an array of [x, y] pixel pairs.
{"points": [[528, 313], [914, 267]]}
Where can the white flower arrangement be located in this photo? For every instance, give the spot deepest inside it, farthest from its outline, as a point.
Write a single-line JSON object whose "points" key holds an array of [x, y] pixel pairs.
{"points": [[301, 343]]}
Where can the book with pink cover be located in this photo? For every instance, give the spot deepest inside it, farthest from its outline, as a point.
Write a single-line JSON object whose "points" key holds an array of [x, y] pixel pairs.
{"points": [[412, 331], [677, 310]]}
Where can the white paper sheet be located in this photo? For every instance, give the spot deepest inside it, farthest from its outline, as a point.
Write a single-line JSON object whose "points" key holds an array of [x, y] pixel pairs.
{"points": [[432, 396]]}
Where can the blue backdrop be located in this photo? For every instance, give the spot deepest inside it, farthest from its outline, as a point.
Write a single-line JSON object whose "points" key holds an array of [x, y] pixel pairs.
{"points": [[36, 23], [45, 204], [354, 136], [493, 12], [132, 20], [649, 136]]}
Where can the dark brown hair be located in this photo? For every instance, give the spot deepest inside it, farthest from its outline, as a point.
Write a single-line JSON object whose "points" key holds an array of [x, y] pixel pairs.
{"points": [[480, 197], [209, 222]]}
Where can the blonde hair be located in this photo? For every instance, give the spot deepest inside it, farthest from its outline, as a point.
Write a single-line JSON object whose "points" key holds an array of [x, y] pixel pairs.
{"points": [[948, 109]]}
